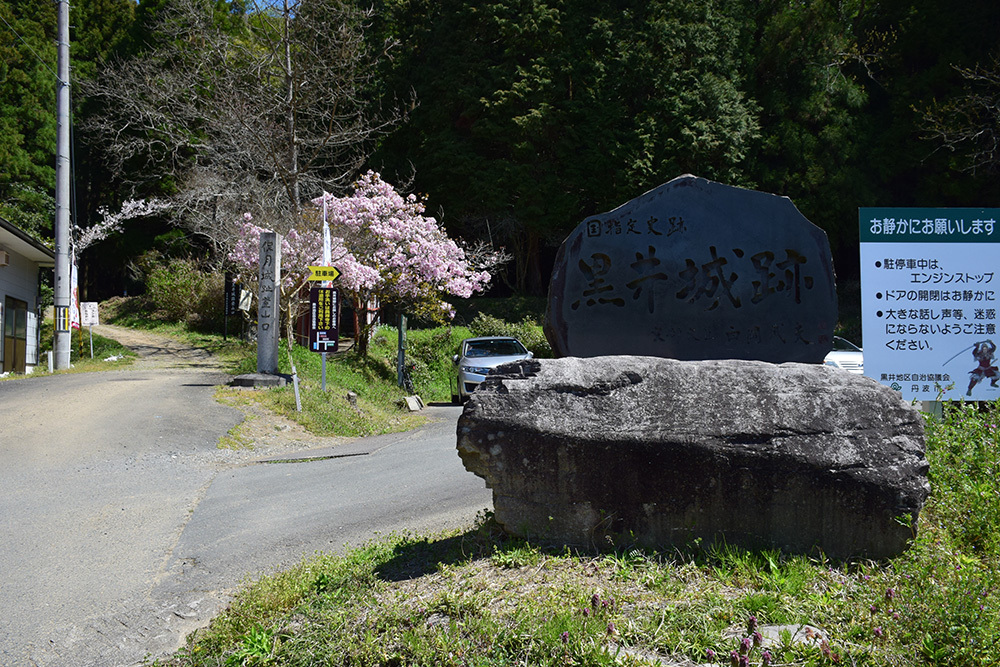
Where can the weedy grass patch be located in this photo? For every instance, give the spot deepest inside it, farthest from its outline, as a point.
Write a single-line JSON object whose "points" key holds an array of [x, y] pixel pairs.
{"points": [[108, 354], [374, 407], [478, 597]]}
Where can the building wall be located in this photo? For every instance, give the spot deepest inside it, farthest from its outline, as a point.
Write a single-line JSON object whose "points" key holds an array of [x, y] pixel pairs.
{"points": [[19, 279]]}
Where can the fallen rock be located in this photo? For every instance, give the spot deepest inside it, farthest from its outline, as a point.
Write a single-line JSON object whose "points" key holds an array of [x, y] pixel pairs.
{"points": [[661, 452]]}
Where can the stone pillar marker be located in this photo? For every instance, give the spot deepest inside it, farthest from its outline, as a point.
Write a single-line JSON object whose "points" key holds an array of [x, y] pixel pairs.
{"points": [[268, 303]]}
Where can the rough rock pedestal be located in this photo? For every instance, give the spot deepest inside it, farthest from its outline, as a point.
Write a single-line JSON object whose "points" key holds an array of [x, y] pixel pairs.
{"points": [[662, 452]]}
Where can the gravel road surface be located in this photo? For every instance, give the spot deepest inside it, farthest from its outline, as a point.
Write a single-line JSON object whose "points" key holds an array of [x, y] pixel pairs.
{"points": [[125, 527]]}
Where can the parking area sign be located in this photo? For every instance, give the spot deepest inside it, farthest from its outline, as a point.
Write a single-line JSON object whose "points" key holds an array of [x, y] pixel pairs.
{"points": [[929, 289], [324, 306]]}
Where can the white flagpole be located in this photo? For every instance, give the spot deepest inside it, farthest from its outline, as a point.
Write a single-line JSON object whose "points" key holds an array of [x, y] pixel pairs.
{"points": [[327, 251]]}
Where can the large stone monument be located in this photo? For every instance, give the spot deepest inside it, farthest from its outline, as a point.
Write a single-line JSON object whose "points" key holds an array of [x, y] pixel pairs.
{"points": [[268, 316], [269, 303], [695, 270], [614, 451], [703, 426]]}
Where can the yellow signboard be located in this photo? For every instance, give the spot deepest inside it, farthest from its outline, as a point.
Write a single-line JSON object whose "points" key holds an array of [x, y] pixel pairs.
{"points": [[323, 273]]}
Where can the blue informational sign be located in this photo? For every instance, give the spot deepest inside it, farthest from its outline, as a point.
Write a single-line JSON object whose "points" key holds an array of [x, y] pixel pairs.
{"points": [[930, 282], [324, 306]]}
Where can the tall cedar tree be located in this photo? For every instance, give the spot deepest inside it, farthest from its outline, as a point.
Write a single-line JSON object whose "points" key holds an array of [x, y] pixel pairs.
{"points": [[536, 113]]}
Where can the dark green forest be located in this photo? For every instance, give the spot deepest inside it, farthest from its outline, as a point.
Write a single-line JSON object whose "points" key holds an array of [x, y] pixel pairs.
{"points": [[515, 119]]}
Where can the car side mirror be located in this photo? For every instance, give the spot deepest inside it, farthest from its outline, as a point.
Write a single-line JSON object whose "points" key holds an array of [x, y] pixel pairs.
{"points": [[531, 355], [454, 359]]}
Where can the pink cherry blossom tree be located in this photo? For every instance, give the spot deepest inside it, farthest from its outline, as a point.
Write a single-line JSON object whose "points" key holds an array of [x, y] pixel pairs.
{"points": [[387, 251]]}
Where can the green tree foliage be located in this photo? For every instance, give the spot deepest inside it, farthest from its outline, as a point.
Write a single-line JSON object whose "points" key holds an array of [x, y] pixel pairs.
{"points": [[933, 44], [28, 65], [27, 113], [811, 79], [536, 113]]}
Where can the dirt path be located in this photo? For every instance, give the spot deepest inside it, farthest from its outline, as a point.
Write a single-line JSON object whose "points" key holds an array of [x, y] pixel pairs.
{"points": [[262, 432], [158, 351]]}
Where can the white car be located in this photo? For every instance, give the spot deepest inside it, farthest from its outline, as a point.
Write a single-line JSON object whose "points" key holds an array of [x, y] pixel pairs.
{"points": [[845, 355], [477, 357]]}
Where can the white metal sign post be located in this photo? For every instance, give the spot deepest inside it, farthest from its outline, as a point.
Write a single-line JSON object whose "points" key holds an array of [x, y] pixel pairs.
{"points": [[89, 317], [930, 285]]}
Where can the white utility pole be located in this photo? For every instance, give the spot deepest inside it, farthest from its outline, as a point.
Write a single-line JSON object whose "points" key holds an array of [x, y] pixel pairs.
{"points": [[63, 290]]}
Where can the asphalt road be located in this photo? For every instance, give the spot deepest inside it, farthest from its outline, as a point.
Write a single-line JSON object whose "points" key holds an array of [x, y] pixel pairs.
{"points": [[124, 527]]}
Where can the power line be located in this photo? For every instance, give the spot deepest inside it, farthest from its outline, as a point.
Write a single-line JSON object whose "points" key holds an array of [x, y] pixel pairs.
{"points": [[37, 57]]}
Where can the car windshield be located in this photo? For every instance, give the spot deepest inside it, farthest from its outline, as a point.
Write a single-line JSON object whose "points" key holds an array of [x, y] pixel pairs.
{"points": [[843, 345], [494, 348]]}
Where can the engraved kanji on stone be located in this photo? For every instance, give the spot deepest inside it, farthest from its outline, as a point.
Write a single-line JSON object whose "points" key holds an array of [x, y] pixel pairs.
{"points": [[786, 277], [705, 280], [645, 266], [597, 284]]}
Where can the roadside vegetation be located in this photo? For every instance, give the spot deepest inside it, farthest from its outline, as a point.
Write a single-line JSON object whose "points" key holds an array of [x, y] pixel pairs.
{"points": [[107, 354], [476, 597], [375, 405]]}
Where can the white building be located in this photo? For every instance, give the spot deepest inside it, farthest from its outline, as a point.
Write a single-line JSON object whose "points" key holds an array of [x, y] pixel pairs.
{"points": [[21, 260]]}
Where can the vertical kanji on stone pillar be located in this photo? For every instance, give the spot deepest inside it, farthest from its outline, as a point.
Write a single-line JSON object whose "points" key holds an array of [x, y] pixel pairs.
{"points": [[268, 329]]}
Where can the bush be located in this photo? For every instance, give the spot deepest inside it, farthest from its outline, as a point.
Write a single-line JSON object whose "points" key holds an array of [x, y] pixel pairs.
{"points": [[429, 353], [528, 331], [510, 308], [180, 291]]}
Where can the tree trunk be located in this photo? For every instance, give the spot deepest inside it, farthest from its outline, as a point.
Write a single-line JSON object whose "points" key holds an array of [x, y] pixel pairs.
{"points": [[532, 270], [360, 340], [293, 140]]}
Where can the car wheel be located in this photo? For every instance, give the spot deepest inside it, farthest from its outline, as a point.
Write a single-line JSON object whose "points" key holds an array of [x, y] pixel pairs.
{"points": [[455, 400]]}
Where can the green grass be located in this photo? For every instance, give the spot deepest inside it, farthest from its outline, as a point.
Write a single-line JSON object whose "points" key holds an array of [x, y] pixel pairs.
{"points": [[378, 407], [477, 597], [108, 354]]}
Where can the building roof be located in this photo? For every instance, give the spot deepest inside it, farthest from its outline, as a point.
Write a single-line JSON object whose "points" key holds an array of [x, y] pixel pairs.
{"points": [[18, 241]]}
